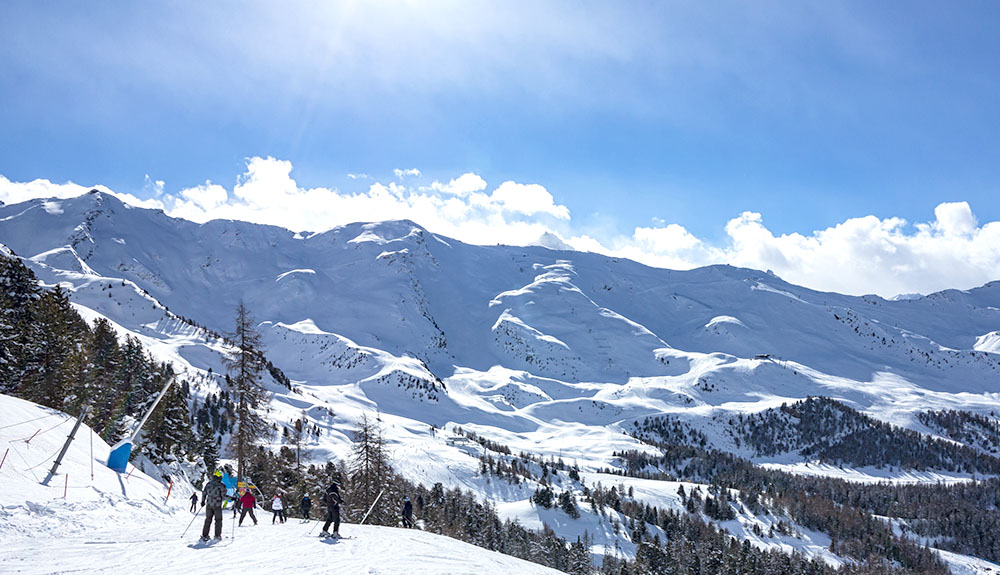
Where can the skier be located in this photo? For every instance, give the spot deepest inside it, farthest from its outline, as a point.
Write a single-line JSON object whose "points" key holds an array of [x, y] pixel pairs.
{"points": [[278, 508], [194, 502], [235, 497], [407, 513], [247, 503], [333, 501], [212, 497], [306, 506]]}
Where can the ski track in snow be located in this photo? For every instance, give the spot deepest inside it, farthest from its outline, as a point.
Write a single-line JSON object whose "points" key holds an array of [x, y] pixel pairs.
{"points": [[151, 549]]}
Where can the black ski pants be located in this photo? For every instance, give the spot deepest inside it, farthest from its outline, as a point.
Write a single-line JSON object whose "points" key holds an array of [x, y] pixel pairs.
{"points": [[243, 513], [332, 516], [212, 513]]}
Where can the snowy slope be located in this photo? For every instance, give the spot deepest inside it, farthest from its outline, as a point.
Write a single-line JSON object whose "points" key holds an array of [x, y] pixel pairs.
{"points": [[109, 522]]}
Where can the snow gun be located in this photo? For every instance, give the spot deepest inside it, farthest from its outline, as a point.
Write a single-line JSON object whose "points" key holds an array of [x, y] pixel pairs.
{"points": [[122, 451]]}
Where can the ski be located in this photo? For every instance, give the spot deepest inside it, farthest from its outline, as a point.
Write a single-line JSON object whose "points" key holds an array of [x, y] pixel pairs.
{"points": [[200, 544]]}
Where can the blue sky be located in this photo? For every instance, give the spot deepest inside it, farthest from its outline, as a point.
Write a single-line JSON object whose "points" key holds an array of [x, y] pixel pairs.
{"points": [[683, 118]]}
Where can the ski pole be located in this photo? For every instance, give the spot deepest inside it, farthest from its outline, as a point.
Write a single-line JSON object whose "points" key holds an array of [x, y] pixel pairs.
{"points": [[189, 526], [372, 507]]}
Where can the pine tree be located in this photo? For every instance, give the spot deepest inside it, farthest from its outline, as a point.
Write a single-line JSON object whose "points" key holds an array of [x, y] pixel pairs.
{"points": [[297, 437], [136, 376], [579, 557], [168, 429], [370, 470], [51, 370], [18, 292], [101, 386], [208, 447], [245, 365]]}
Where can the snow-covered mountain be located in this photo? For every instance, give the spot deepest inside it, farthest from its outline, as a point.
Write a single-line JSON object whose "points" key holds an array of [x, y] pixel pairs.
{"points": [[551, 352]]}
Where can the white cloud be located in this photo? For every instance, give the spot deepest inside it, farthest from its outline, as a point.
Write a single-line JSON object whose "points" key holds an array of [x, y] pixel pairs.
{"points": [[528, 199], [860, 255], [154, 187], [16, 192], [954, 219], [400, 174], [206, 197], [463, 185]]}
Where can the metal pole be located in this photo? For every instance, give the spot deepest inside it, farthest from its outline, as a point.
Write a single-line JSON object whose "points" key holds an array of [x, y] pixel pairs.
{"points": [[189, 524], [372, 507], [79, 420]]}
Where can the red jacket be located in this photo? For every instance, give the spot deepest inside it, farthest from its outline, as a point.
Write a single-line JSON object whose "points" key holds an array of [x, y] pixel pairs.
{"points": [[247, 501]]}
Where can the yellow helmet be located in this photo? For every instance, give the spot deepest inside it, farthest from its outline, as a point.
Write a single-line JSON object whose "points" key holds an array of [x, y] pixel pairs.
{"points": [[218, 473]]}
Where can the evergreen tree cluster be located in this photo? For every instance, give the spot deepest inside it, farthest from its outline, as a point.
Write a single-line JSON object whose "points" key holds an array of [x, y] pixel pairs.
{"points": [[693, 546], [669, 429], [51, 356], [959, 516], [968, 428], [829, 431]]}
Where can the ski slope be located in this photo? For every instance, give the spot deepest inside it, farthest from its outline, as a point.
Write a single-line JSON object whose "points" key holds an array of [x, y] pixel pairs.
{"points": [[90, 519]]}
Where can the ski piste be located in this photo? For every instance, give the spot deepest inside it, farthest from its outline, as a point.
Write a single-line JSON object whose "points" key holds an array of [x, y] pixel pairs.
{"points": [[126, 542]]}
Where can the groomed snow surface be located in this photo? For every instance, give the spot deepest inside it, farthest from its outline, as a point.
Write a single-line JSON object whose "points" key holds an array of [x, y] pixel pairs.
{"points": [[90, 519]]}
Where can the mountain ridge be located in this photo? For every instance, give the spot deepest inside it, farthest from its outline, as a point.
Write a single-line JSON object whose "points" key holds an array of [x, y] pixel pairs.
{"points": [[619, 337]]}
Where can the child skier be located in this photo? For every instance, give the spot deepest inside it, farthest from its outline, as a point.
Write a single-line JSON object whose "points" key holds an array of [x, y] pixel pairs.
{"points": [[247, 503], [278, 508], [306, 506]]}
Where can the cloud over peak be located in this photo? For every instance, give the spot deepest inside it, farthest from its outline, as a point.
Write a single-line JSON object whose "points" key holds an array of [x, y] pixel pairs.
{"points": [[867, 254]]}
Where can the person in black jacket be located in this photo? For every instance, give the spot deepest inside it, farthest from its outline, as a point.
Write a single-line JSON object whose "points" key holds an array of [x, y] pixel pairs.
{"points": [[306, 505], [333, 500], [212, 497], [407, 513], [194, 502]]}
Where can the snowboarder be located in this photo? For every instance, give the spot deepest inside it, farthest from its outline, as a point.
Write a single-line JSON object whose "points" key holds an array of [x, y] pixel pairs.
{"points": [[212, 497], [194, 502], [407, 513], [333, 500], [247, 503], [306, 506], [278, 508]]}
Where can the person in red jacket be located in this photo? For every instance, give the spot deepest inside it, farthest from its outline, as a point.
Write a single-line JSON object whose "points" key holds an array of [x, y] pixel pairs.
{"points": [[247, 503]]}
